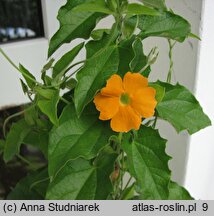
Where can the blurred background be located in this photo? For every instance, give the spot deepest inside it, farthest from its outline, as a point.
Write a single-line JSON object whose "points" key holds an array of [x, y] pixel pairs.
{"points": [[35, 20]]}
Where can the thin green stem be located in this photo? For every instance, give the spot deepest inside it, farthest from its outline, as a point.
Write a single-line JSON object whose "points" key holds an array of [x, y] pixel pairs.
{"points": [[155, 122], [77, 63], [117, 188], [118, 184], [8, 119], [26, 161], [121, 163], [144, 68], [119, 21], [118, 5], [76, 71], [148, 123], [122, 170], [13, 116], [171, 63], [8, 59], [66, 78], [126, 186], [120, 136], [64, 100], [128, 182], [37, 182], [17, 68]]}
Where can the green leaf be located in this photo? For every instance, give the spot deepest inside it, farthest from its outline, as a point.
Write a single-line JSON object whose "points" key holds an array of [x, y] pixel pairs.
{"points": [[15, 137], [126, 54], [45, 93], [148, 162], [24, 86], [132, 57], [2, 144], [194, 36], [38, 139], [30, 79], [108, 39], [160, 91], [138, 9], [94, 6], [105, 164], [98, 34], [48, 65], [46, 79], [181, 109], [112, 4], [128, 193], [76, 137], [102, 62], [159, 4], [129, 28], [73, 24], [140, 60], [71, 84], [31, 115], [168, 25], [79, 180], [32, 187], [48, 103], [177, 192], [93, 76], [64, 62]]}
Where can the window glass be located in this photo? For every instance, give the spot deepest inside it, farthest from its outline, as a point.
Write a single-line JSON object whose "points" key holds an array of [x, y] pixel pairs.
{"points": [[20, 19]]}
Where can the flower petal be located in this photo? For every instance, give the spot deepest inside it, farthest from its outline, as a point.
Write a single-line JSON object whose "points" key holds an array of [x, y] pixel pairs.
{"points": [[144, 102], [133, 82], [125, 120], [108, 106], [114, 86]]}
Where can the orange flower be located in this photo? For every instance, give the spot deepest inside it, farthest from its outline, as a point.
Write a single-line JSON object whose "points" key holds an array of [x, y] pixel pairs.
{"points": [[126, 101]]}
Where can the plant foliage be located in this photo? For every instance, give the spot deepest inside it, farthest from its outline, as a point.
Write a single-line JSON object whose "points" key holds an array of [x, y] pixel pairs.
{"points": [[82, 157]]}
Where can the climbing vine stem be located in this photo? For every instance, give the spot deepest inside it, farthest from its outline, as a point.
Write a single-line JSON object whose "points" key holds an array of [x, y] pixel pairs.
{"points": [[171, 63]]}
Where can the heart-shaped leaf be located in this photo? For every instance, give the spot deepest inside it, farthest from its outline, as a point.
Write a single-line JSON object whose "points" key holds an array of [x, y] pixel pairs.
{"points": [[181, 109], [76, 137]]}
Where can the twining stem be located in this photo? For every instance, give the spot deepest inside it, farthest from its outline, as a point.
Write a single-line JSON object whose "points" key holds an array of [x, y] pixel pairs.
{"points": [[13, 116], [118, 184], [171, 63], [9, 118], [122, 170]]}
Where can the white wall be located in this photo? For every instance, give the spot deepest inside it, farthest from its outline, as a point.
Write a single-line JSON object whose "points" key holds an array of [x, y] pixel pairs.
{"points": [[185, 63], [33, 55], [200, 167]]}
